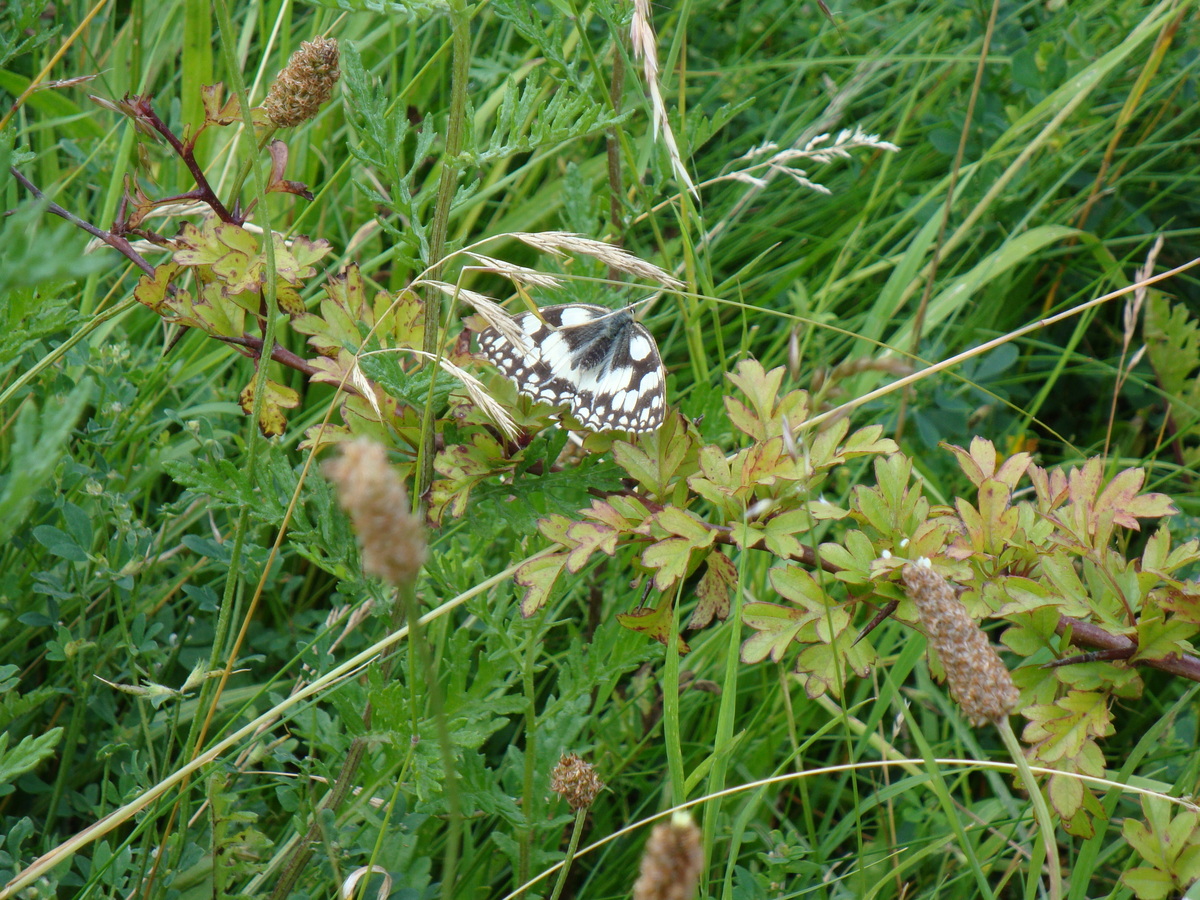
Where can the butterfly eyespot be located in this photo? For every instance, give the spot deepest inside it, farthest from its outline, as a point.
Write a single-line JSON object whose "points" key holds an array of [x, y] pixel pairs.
{"points": [[600, 363]]}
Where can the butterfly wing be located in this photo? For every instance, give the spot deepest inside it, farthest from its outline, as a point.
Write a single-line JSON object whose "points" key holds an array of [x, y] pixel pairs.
{"points": [[601, 363]]}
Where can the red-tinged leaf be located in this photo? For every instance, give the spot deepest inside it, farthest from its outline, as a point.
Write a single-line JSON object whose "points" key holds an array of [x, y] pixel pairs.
{"points": [[653, 623], [604, 512], [971, 467], [776, 627], [1061, 730], [538, 576], [1146, 506], [1084, 485], [588, 537], [998, 517], [474, 459], [973, 523], [741, 418], [1161, 639], [796, 584], [766, 461], [555, 528], [1013, 468], [151, 290], [714, 591]]}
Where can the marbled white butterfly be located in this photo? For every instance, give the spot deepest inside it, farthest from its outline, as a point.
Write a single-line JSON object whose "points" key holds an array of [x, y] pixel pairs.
{"points": [[598, 361]]}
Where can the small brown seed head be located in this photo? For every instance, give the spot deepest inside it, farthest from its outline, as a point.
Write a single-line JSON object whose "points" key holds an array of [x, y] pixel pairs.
{"points": [[979, 681], [575, 781], [305, 85]]}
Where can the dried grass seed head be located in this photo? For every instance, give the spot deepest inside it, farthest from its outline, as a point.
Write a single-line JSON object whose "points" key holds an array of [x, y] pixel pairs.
{"points": [[672, 861], [305, 85], [979, 681], [576, 781], [393, 539]]}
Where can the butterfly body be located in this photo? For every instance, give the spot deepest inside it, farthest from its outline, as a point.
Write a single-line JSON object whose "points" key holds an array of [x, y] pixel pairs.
{"points": [[598, 361]]}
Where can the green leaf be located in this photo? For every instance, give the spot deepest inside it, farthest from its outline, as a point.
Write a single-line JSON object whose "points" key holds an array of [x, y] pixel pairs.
{"points": [[38, 443], [1158, 638], [27, 754], [60, 543]]}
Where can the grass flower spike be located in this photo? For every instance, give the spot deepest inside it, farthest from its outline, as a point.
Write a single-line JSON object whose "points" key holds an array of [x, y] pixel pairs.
{"points": [[393, 540], [979, 680], [672, 862], [305, 85]]}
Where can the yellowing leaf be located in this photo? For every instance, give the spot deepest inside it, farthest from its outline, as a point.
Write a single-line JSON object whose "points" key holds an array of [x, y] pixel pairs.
{"points": [[537, 576], [776, 627]]}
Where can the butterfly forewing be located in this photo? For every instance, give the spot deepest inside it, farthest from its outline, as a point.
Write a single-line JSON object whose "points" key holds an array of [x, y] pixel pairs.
{"points": [[601, 363]]}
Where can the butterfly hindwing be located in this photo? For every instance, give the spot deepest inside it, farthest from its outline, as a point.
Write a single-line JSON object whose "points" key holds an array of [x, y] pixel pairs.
{"points": [[601, 363]]}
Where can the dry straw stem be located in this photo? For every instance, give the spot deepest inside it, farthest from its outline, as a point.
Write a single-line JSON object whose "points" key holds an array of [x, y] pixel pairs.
{"points": [[979, 680], [305, 85], [393, 540]]}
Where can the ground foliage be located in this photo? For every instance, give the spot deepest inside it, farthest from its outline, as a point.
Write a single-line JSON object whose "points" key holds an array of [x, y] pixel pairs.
{"points": [[685, 609]]}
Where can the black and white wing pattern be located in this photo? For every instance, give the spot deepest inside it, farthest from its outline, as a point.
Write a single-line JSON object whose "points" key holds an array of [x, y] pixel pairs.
{"points": [[598, 361]]}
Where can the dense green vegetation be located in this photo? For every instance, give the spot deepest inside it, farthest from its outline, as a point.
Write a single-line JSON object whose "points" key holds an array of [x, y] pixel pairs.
{"points": [[206, 689]]}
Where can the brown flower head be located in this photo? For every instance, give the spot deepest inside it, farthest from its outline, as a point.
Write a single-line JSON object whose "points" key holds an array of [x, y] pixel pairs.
{"points": [[575, 781], [302, 88], [393, 540], [672, 861], [979, 681]]}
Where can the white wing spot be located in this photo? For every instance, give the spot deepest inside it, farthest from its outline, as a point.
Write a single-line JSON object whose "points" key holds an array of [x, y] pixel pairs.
{"points": [[639, 347]]}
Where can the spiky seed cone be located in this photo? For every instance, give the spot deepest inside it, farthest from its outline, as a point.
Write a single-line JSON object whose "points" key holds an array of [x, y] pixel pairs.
{"points": [[672, 861], [393, 540], [979, 681], [305, 85], [575, 781]]}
